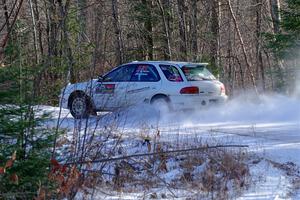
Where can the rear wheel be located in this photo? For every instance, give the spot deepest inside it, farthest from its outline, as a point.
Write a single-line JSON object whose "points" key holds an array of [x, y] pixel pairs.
{"points": [[161, 105], [80, 106]]}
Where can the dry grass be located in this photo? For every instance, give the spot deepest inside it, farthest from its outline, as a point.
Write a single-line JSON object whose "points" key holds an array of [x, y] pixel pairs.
{"points": [[215, 173], [221, 171], [291, 170]]}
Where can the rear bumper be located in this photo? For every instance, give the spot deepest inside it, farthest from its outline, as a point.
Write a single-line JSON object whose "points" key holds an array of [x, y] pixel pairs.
{"points": [[183, 102]]}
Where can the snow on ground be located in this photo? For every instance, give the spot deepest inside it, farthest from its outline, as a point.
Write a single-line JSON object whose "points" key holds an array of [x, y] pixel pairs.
{"points": [[270, 126], [268, 183]]}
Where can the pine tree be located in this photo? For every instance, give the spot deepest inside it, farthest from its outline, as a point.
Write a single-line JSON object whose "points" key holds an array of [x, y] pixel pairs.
{"points": [[25, 143], [286, 44]]}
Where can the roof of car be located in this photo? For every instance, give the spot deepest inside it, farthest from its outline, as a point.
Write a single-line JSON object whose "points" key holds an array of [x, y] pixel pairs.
{"points": [[180, 63]]}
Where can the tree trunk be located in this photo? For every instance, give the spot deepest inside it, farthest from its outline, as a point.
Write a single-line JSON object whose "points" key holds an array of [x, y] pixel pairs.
{"points": [[166, 26], [39, 28], [66, 50], [52, 30], [81, 16], [259, 60], [275, 14], [182, 30], [248, 64], [194, 30], [35, 42], [82, 38], [10, 24], [6, 14], [276, 18], [229, 73], [148, 28], [118, 33], [214, 28], [99, 57], [6, 17]]}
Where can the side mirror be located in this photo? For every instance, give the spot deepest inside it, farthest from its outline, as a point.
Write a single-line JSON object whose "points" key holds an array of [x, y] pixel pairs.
{"points": [[100, 78]]}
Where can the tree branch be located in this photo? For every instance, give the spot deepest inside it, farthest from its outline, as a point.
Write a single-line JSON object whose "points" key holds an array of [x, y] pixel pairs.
{"points": [[157, 153]]}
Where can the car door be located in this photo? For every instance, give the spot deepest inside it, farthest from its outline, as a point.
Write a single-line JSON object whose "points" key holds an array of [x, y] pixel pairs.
{"points": [[144, 83], [109, 93]]}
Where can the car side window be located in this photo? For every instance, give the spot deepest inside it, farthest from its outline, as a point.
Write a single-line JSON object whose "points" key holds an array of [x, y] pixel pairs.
{"points": [[145, 73], [121, 74], [171, 73]]}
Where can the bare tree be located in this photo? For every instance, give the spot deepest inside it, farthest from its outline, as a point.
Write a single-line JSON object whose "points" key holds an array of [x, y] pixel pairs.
{"points": [[194, 30], [148, 28], [275, 13], [35, 42], [36, 13], [166, 26], [5, 14], [82, 19], [63, 13], [98, 36], [11, 24], [52, 29], [122, 30], [118, 33], [214, 28], [248, 64], [260, 70], [6, 23], [182, 30]]}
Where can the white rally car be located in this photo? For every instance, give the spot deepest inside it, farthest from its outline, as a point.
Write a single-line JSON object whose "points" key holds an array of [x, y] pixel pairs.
{"points": [[169, 84]]}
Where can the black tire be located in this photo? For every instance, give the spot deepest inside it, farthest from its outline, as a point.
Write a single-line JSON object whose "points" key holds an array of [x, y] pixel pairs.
{"points": [[80, 106], [161, 104]]}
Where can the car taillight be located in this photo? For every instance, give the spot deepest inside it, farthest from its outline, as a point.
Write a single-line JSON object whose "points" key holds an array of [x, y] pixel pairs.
{"points": [[223, 90], [189, 90]]}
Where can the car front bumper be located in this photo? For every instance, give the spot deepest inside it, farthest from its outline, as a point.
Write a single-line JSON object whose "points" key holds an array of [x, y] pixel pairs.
{"points": [[63, 101]]}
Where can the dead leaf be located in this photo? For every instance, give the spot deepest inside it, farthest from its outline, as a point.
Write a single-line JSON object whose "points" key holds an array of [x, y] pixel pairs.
{"points": [[41, 194], [2, 170], [54, 162], [9, 164], [60, 179], [14, 156], [14, 178], [64, 169]]}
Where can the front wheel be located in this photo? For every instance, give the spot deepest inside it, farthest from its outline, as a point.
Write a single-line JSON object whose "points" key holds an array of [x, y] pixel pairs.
{"points": [[80, 106]]}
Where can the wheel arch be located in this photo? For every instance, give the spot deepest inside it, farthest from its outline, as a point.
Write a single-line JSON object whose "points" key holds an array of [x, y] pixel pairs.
{"points": [[158, 96], [79, 92]]}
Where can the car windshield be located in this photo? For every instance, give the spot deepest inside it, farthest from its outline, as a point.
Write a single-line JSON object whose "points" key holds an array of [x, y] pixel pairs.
{"points": [[197, 73]]}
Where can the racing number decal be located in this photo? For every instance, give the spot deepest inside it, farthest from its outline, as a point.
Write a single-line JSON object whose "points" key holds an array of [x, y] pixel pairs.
{"points": [[105, 89], [142, 70]]}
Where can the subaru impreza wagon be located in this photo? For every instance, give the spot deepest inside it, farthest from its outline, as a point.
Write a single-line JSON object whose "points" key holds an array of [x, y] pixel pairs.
{"points": [[163, 84]]}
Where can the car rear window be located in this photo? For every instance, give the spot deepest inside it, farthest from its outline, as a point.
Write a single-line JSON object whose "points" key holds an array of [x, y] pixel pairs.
{"points": [[197, 73], [171, 73]]}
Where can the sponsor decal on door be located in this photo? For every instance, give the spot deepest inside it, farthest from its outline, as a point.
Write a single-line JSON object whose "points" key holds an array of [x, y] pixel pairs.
{"points": [[105, 89], [138, 90]]}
